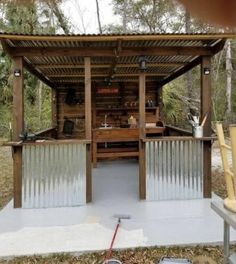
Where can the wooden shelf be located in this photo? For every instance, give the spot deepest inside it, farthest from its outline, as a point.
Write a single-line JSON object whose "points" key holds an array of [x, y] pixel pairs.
{"points": [[123, 108]]}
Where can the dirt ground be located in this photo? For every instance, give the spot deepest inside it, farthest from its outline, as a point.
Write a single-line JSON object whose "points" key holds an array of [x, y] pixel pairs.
{"points": [[6, 178], [150, 255], [132, 256]]}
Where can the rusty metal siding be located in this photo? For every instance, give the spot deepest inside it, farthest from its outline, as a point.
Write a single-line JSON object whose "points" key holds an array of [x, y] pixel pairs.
{"points": [[174, 169], [54, 175]]}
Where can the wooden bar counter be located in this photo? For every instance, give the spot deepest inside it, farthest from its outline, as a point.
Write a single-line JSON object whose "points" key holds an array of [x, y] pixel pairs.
{"points": [[111, 135], [121, 136]]}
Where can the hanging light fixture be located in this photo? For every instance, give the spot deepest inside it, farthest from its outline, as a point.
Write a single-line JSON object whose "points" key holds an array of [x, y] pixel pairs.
{"points": [[142, 63]]}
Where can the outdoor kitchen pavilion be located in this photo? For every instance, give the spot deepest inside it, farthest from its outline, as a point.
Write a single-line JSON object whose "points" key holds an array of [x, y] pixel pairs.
{"points": [[58, 172]]}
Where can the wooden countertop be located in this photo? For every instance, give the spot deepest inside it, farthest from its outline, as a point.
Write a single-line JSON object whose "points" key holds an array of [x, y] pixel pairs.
{"points": [[48, 142], [114, 128]]}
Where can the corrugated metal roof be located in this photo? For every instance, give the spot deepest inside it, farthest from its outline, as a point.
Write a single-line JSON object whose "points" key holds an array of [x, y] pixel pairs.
{"points": [[60, 58]]}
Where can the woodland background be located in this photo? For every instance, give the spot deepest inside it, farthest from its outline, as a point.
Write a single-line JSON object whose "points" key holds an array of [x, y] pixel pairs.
{"points": [[135, 16]]}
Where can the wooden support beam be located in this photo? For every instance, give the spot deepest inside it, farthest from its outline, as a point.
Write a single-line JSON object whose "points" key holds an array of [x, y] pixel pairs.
{"points": [[17, 176], [142, 169], [219, 46], [206, 108], [18, 99], [206, 94], [110, 52], [88, 174], [98, 66], [18, 128], [39, 75], [88, 99], [180, 72], [7, 49], [88, 126], [103, 75], [54, 97]]}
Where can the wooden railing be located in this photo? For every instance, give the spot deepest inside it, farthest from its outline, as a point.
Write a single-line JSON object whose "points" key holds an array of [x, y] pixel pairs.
{"points": [[48, 132], [176, 131]]}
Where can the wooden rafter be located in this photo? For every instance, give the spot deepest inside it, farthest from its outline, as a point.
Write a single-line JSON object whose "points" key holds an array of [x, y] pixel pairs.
{"points": [[6, 47], [110, 52], [103, 75], [98, 66], [38, 74], [219, 46], [183, 70]]}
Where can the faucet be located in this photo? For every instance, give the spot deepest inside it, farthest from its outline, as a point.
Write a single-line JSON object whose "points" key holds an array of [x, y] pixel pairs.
{"points": [[105, 123]]}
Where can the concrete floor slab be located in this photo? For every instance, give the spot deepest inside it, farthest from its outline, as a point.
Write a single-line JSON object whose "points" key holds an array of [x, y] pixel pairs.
{"points": [[90, 227]]}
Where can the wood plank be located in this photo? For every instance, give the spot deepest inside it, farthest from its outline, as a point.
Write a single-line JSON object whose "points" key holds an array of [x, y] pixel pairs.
{"points": [[88, 174], [142, 93], [59, 142], [110, 51], [88, 99], [180, 72], [142, 169], [104, 75], [94, 154], [118, 149], [206, 108], [18, 99], [17, 176], [39, 75], [206, 95], [207, 169], [54, 100], [154, 130], [99, 66], [118, 154], [116, 135], [177, 138]]}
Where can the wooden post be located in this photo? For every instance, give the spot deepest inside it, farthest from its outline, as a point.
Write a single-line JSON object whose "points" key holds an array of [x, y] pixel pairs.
{"points": [[206, 108], [54, 111], [18, 99], [18, 128], [160, 102], [88, 127], [142, 171]]}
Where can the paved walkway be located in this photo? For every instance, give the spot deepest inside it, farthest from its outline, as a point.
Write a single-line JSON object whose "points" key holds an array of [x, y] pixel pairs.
{"points": [[89, 228]]}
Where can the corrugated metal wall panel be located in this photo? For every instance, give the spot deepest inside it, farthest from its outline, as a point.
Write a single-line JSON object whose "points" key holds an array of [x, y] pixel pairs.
{"points": [[174, 169], [54, 175]]}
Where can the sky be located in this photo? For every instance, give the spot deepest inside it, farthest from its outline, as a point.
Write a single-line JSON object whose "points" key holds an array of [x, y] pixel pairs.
{"points": [[82, 14]]}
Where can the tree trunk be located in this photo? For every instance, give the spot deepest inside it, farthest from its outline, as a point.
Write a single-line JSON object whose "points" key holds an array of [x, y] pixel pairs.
{"points": [[228, 78], [189, 77], [53, 5], [124, 17], [98, 17]]}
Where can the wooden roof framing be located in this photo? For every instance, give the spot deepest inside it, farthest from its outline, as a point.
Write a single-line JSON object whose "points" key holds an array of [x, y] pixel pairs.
{"points": [[58, 60]]}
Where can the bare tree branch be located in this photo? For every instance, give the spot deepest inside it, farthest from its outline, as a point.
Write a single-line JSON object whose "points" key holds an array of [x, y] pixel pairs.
{"points": [[98, 17]]}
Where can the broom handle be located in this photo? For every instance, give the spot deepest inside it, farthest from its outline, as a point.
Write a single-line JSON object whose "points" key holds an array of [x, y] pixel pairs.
{"points": [[204, 119], [112, 242]]}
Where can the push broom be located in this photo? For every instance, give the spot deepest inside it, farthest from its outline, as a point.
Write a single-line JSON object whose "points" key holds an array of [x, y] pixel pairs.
{"points": [[108, 260]]}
